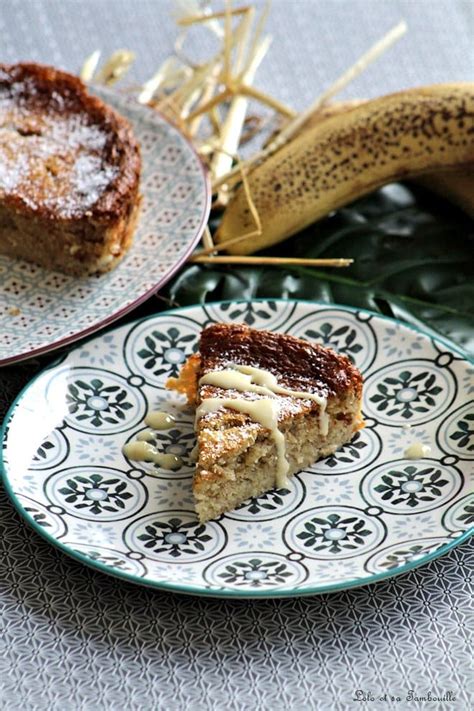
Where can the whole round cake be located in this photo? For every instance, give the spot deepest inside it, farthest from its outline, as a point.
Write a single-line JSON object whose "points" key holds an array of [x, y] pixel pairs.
{"points": [[69, 172]]}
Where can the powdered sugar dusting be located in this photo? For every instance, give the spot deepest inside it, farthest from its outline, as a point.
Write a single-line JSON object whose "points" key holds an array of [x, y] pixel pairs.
{"points": [[11, 170], [51, 160]]}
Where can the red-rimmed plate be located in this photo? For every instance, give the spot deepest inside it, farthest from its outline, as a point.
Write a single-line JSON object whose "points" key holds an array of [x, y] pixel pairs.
{"points": [[41, 310]]}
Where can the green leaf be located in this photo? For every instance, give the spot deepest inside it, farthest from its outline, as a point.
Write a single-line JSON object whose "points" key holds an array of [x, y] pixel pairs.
{"points": [[413, 257]]}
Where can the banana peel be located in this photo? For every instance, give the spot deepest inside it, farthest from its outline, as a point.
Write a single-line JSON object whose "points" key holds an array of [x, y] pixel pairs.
{"points": [[455, 184], [340, 155]]}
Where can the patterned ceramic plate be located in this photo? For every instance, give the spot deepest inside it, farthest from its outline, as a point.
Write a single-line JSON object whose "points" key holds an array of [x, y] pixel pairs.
{"points": [[41, 310], [359, 516]]}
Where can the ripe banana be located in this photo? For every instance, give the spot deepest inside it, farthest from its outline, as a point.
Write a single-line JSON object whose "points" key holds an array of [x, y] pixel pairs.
{"points": [[348, 155], [456, 184]]}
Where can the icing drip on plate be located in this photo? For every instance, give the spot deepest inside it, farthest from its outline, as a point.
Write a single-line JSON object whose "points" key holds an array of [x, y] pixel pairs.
{"points": [[141, 448], [417, 450], [159, 420], [145, 452]]}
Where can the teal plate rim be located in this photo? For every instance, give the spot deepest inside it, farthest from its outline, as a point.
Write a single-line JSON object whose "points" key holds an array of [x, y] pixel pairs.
{"points": [[232, 594]]}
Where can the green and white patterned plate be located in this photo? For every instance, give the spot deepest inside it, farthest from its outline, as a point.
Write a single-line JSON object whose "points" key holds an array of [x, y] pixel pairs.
{"points": [[361, 515], [41, 310]]}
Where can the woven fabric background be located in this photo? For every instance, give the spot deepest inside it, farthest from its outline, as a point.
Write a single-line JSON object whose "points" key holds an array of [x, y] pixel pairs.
{"points": [[314, 41], [73, 639]]}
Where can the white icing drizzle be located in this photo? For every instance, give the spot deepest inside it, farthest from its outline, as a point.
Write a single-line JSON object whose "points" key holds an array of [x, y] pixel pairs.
{"points": [[256, 380], [193, 454], [141, 451], [265, 411], [146, 436], [159, 420], [324, 423], [417, 450]]}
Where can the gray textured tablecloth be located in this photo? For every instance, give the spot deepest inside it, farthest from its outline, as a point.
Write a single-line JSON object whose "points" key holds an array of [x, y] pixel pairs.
{"points": [[71, 638]]}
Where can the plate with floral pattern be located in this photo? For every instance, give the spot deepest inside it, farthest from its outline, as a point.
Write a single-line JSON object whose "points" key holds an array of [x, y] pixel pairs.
{"points": [[41, 310], [361, 515]]}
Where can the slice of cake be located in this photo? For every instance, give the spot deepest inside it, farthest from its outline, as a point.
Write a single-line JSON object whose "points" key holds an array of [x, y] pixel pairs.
{"points": [[69, 173], [268, 405]]}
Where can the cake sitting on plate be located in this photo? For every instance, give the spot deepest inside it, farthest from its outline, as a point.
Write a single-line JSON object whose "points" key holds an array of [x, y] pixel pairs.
{"points": [[69, 173], [267, 405]]}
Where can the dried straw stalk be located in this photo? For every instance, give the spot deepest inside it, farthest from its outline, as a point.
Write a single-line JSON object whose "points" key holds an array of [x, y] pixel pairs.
{"points": [[272, 261], [194, 19]]}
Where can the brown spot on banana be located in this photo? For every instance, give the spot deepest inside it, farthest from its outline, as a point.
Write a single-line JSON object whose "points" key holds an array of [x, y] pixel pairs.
{"points": [[348, 155]]}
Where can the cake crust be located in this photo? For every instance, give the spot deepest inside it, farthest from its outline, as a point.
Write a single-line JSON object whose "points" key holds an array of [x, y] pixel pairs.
{"points": [[298, 364], [69, 172]]}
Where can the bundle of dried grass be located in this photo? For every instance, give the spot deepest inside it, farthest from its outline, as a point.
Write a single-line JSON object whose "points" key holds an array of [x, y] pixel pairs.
{"points": [[209, 100]]}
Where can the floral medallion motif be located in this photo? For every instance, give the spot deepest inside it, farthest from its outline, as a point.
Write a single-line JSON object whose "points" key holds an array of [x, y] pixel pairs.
{"points": [[333, 573], [96, 493], [101, 402], [260, 535], [456, 434], [179, 440], [413, 393], [342, 332], [467, 378], [463, 433], [157, 353], [171, 493], [332, 490], [342, 338], [103, 450], [49, 522], [109, 557], [394, 556], [176, 573], [400, 439], [460, 515], [271, 315], [93, 532], [332, 532], [257, 570], [405, 486], [271, 505], [170, 536], [52, 451], [164, 352], [400, 342], [424, 524], [174, 404], [94, 353], [96, 402], [361, 511], [248, 313], [360, 452]]}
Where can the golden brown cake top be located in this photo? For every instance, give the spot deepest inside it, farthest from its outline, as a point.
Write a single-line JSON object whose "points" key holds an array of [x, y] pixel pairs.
{"points": [[64, 154], [297, 364]]}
